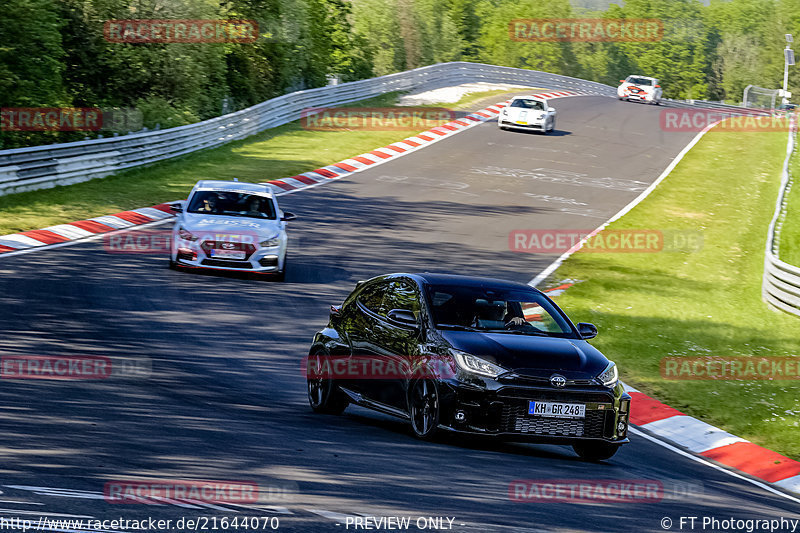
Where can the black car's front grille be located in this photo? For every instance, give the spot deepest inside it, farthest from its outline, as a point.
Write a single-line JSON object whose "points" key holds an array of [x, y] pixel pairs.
{"points": [[511, 394], [229, 263], [515, 419]]}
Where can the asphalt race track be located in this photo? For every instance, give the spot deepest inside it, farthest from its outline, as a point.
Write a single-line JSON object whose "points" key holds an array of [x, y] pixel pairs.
{"points": [[226, 400]]}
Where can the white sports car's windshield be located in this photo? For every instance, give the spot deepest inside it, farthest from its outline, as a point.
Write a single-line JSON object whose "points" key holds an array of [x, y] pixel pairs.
{"points": [[230, 203], [640, 81], [528, 104]]}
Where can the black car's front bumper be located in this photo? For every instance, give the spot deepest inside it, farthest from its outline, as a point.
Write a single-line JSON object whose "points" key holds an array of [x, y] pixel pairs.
{"points": [[502, 411]]}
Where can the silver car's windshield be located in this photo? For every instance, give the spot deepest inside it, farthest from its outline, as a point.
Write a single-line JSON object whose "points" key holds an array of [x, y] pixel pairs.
{"points": [[235, 204]]}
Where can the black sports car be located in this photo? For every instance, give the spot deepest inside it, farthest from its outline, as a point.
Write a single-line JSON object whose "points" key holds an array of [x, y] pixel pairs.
{"points": [[473, 355]]}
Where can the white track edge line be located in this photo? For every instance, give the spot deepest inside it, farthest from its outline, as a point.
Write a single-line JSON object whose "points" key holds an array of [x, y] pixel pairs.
{"points": [[633, 203]]}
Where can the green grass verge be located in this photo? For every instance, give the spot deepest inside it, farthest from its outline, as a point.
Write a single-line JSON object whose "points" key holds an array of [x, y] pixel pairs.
{"points": [[790, 232], [276, 153], [648, 306]]}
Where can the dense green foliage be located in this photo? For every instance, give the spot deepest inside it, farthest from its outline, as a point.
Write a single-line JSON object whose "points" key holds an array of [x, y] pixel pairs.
{"points": [[53, 52]]}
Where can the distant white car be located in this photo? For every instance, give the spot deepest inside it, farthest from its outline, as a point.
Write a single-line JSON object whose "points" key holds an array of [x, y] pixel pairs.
{"points": [[230, 225], [640, 89], [527, 113]]}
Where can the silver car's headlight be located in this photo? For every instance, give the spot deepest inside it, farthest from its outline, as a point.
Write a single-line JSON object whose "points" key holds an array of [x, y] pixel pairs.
{"points": [[476, 365], [609, 376], [186, 235], [271, 243]]}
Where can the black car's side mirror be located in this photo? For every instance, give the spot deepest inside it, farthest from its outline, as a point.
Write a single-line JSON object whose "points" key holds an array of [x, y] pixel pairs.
{"points": [[403, 317], [176, 208], [586, 330], [287, 216]]}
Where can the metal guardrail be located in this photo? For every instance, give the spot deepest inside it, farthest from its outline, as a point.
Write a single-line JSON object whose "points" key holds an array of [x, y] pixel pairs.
{"points": [[23, 169], [37, 167], [781, 285]]}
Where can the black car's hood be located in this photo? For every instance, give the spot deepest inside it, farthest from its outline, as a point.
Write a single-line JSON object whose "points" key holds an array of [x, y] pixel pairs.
{"points": [[531, 355]]}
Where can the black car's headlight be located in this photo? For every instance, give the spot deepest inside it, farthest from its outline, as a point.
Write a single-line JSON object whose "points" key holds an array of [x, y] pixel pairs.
{"points": [[186, 235], [609, 376], [477, 365]]}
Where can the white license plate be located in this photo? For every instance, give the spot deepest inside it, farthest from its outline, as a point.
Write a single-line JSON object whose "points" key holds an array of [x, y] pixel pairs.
{"points": [[557, 410], [228, 254]]}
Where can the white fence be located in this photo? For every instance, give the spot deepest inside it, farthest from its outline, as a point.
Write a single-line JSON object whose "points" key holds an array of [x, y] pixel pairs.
{"points": [[24, 169], [781, 285]]}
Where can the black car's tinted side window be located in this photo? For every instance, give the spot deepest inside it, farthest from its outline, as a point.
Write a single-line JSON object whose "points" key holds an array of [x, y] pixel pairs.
{"points": [[402, 295], [372, 298]]}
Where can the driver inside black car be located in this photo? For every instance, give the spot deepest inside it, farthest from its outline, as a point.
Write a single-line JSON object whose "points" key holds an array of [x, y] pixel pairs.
{"points": [[495, 315]]}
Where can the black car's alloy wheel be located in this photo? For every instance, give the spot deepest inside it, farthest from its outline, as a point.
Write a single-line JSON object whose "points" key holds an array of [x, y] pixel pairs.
{"points": [[595, 451], [423, 403], [323, 394]]}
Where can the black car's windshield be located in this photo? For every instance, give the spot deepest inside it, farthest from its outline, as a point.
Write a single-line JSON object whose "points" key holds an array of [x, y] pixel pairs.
{"points": [[229, 203], [640, 81], [526, 103], [496, 309]]}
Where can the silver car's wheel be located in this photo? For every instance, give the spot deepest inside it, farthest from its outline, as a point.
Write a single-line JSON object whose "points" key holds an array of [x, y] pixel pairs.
{"points": [[281, 276]]}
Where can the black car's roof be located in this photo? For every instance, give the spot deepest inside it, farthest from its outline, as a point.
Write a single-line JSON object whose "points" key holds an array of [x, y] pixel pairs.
{"points": [[430, 278]]}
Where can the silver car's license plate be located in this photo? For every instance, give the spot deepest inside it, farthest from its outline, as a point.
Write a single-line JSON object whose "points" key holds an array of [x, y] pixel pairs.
{"points": [[557, 409], [228, 254]]}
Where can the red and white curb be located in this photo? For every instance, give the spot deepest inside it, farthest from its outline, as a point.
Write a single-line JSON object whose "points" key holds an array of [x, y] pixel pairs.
{"points": [[713, 443], [82, 229]]}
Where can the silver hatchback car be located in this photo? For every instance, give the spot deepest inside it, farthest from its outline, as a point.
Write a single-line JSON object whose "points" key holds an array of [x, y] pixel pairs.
{"points": [[230, 225]]}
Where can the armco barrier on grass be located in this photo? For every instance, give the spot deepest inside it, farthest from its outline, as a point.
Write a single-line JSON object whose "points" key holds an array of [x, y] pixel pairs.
{"points": [[38, 167], [781, 285]]}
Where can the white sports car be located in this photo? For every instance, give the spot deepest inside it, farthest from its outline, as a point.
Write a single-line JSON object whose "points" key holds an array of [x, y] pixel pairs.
{"points": [[527, 113], [230, 225], [641, 89]]}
